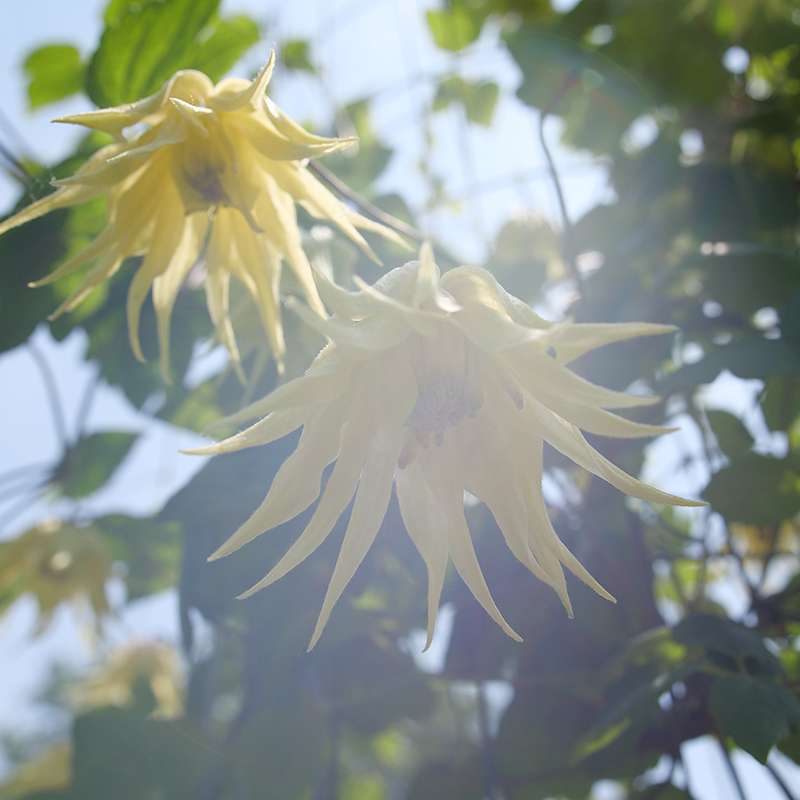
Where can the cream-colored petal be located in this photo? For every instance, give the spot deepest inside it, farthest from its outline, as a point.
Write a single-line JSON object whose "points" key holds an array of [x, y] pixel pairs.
{"points": [[566, 438], [368, 335], [261, 134], [462, 552], [251, 95], [334, 499], [277, 216], [541, 523], [571, 341], [472, 286], [102, 271], [167, 285], [422, 520], [61, 198], [167, 235], [309, 389], [604, 423], [369, 509], [542, 377], [217, 285], [321, 203], [367, 224], [297, 483], [95, 248], [488, 480], [273, 427]]}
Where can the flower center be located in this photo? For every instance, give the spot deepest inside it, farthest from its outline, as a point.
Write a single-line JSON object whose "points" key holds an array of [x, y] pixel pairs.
{"points": [[207, 183], [449, 389]]}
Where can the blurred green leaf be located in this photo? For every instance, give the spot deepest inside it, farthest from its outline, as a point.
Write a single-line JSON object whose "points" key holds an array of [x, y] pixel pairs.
{"points": [[138, 757], [90, 462], [296, 54], [454, 28], [477, 98], [228, 40], [756, 714], [732, 436], [146, 41], [54, 71], [755, 488], [742, 646]]}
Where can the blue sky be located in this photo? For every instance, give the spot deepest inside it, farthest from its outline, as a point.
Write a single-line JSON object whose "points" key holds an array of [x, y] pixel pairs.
{"points": [[364, 47]]}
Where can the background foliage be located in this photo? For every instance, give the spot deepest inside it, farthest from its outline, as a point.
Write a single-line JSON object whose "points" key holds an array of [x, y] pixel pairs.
{"points": [[693, 108]]}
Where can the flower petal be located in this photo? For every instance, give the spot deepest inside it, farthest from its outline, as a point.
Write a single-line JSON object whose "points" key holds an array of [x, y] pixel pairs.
{"points": [[369, 509]]}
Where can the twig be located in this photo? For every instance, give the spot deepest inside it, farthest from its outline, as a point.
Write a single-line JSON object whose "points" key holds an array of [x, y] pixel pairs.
{"points": [[726, 757], [51, 390], [566, 223], [86, 404], [12, 513], [339, 186], [490, 781], [20, 472]]}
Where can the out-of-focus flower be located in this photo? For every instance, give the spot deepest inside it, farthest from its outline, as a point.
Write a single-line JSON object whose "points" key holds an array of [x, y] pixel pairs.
{"points": [[152, 664], [438, 385], [56, 563], [195, 170], [50, 771]]}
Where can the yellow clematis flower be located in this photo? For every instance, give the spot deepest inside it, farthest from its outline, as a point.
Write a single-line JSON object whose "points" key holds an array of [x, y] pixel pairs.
{"points": [[201, 169], [57, 563], [437, 385]]}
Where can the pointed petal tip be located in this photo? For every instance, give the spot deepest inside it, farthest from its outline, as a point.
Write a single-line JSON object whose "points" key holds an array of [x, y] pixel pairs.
{"points": [[207, 450]]}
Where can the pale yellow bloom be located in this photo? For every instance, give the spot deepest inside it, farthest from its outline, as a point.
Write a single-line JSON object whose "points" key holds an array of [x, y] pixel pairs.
{"points": [[201, 169], [57, 563], [114, 683], [437, 385]]}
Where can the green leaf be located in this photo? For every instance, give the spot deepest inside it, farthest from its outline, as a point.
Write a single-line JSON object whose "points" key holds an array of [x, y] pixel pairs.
{"points": [[730, 432], [748, 357], [150, 551], [89, 463], [229, 40], [718, 636], [454, 28], [295, 54], [756, 714], [54, 71], [146, 41], [477, 98], [137, 756], [143, 44], [755, 489]]}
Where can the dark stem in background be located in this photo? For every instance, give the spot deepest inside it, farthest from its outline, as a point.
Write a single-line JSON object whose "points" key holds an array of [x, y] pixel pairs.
{"points": [[726, 757], [23, 473], [13, 512], [567, 250], [51, 390], [781, 783], [488, 770], [86, 403]]}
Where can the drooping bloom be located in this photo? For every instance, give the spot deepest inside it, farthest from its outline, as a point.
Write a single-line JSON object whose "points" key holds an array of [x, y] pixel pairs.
{"points": [[195, 170], [437, 385], [57, 563]]}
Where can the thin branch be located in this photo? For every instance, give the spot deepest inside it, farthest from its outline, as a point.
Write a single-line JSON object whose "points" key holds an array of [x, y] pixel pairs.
{"points": [[566, 223], [13, 512], [86, 404], [340, 187], [23, 472], [489, 773], [726, 757], [51, 390]]}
